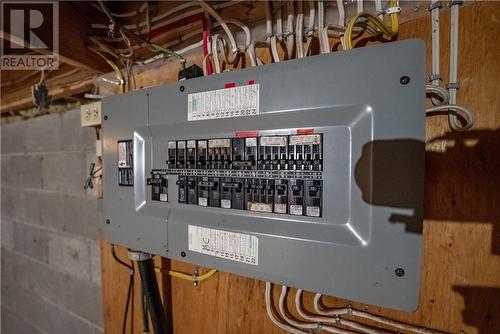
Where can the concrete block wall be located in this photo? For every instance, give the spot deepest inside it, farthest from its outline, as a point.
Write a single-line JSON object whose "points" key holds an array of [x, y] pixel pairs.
{"points": [[50, 256]]}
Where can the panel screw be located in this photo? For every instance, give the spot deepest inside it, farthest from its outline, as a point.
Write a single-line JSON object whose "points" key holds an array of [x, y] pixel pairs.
{"points": [[183, 254], [400, 272], [105, 117], [108, 221], [404, 80], [181, 88]]}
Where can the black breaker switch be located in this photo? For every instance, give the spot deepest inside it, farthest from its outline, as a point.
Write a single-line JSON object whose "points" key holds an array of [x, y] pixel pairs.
{"points": [[232, 193], [313, 194], [159, 186], [208, 191], [306, 152], [296, 197], [280, 196], [187, 189], [273, 152]]}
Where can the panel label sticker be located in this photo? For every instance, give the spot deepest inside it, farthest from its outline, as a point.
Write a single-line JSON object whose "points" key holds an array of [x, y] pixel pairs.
{"points": [[227, 245], [273, 141], [224, 103], [305, 139]]}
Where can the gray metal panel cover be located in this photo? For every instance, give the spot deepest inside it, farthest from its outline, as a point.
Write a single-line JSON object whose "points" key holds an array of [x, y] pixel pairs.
{"points": [[373, 132]]}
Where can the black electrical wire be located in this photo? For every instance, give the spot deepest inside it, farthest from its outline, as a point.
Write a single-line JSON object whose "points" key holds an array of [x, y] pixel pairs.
{"points": [[128, 266], [127, 304], [152, 293], [144, 311], [130, 292]]}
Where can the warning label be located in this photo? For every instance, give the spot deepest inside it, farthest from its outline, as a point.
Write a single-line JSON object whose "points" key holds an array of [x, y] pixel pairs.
{"points": [[228, 245], [224, 103]]}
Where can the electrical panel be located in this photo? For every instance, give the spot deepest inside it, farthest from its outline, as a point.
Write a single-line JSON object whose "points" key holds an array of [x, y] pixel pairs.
{"points": [[307, 173]]}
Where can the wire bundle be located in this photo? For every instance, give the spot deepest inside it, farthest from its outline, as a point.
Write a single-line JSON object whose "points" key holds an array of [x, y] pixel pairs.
{"points": [[330, 320]]}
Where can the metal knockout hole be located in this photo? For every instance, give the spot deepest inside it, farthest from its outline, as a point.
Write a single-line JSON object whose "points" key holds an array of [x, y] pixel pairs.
{"points": [[108, 221], [181, 88], [404, 80], [183, 254], [400, 272], [105, 117]]}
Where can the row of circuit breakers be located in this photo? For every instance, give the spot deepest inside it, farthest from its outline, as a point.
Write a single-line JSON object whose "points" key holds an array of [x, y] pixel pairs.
{"points": [[298, 192]]}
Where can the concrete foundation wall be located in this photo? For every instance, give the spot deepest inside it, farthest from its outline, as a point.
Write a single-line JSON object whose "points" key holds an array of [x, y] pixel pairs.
{"points": [[50, 254]]}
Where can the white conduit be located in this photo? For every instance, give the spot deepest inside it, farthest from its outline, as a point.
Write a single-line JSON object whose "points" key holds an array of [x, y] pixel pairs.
{"points": [[435, 42], [378, 8], [272, 315], [360, 6], [310, 27], [305, 325], [453, 83], [289, 34], [366, 315], [341, 22], [299, 30], [321, 319], [321, 25]]}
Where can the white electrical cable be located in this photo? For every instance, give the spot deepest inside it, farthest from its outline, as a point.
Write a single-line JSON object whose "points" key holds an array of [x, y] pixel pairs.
{"points": [[289, 34], [366, 315], [180, 8], [321, 25], [378, 8], [453, 83], [435, 41], [272, 315], [216, 39], [219, 19], [310, 27], [269, 21], [452, 111], [274, 49], [341, 22], [305, 325], [279, 21], [322, 319], [360, 6], [442, 92], [299, 30]]}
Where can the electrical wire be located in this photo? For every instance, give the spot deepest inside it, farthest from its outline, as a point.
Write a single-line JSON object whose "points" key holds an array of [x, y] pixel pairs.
{"points": [[299, 30], [381, 320], [322, 319], [224, 26], [310, 27], [272, 315], [440, 91], [377, 22], [305, 325], [130, 290], [127, 304], [187, 277], [289, 33], [452, 109], [124, 31], [453, 82]]}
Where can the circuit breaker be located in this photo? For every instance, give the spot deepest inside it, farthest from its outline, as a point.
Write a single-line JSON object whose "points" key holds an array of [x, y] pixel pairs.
{"points": [[307, 173]]}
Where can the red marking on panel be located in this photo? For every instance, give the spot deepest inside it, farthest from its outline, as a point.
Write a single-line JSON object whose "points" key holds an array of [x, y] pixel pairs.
{"points": [[246, 134], [305, 131]]}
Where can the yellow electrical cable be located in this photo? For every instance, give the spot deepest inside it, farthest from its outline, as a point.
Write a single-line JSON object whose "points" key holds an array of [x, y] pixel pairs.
{"points": [[187, 277], [372, 18]]}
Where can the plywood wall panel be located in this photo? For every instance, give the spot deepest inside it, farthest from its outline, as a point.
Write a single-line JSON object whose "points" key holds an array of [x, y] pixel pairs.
{"points": [[460, 287]]}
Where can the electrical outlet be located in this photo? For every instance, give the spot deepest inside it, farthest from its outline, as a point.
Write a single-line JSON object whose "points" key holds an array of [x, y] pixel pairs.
{"points": [[91, 114]]}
